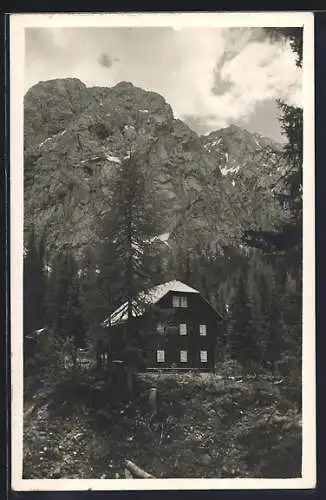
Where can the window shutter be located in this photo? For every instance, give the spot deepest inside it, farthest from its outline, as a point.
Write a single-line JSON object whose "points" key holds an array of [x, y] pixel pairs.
{"points": [[183, 329], [183, 356]]}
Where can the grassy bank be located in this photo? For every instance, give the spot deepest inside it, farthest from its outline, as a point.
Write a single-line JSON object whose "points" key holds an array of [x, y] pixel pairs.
{"points": [[207, 426]]}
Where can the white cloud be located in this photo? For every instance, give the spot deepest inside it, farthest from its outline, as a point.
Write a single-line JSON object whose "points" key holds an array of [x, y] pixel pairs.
{"points": [[178, 63]]}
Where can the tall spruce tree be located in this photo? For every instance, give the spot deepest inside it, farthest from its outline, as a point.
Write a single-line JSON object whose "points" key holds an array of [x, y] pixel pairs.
{"points": [[240, 341], [65, 313], [130, 266], [131, 225]]}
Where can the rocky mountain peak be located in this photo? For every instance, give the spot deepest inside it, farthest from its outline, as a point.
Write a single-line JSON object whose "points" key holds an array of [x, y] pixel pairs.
{"points": [[75, 136]]}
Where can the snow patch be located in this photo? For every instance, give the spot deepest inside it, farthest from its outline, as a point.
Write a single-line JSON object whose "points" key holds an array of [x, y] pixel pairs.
{"points": [[46, 140], [143, 111], [164, 238], [229, 170], [233, 183], [217, 142], [48, 269], [60, 134], [114, 159], [257, 144]]}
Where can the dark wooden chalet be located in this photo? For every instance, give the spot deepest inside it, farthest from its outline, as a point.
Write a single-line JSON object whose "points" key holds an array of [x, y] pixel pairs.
{"points": [[179, 328]]}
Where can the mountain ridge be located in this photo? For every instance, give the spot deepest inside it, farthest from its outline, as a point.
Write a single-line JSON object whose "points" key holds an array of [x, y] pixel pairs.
{"points": [[76, 135]]}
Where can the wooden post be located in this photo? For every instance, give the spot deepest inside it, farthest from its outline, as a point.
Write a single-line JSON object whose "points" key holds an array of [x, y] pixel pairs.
{"points": [[153, 398]]}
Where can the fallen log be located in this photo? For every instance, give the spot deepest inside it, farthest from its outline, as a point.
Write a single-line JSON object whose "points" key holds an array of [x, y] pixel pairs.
{"points": [[137, 471], [128, 474]]}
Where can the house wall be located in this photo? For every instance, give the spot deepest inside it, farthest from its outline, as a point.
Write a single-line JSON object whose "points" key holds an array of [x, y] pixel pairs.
{"points": [[198, 312]]}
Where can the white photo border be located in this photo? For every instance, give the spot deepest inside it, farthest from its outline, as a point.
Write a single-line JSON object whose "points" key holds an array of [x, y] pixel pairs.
{"points": [[18, 24]]}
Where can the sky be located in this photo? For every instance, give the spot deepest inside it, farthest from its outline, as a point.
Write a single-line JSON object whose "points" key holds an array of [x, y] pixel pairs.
{"points": [[211, 77]]}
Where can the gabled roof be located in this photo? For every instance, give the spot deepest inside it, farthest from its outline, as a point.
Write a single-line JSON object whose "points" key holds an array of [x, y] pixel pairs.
{"points": [[152, 296]]}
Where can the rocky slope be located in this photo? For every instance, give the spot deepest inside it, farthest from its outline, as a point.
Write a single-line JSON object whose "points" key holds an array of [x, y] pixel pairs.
{"points": [[208, 427], [240, 153], [210, 187]]}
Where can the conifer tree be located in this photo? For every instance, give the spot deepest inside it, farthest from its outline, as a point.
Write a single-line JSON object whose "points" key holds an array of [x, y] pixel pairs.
{"points": [[65, 314], [130, 266], [131, 225], [34, 285], [240, 342]]}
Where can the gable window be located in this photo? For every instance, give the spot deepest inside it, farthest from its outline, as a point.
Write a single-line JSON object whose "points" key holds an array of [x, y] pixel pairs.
{"points": [[160, 356], [178, 301], [183, 329], [203, 356], [202, 330], [183, 356], [184, 302]]}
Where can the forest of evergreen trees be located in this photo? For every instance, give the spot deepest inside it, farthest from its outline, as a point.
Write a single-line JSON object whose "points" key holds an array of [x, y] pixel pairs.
{"points": [[257, 288]]}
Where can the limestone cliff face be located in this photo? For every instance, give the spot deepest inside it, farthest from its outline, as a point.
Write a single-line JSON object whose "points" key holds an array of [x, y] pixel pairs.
{"points": [[76, 136]]}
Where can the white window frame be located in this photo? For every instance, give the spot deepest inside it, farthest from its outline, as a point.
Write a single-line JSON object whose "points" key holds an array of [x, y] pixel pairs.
{"points": [[160, 328], [176, 301], [179, 301], [184, 302], [203, 354], [160, 356], [183, 329], [203, 330], [184, 356]]}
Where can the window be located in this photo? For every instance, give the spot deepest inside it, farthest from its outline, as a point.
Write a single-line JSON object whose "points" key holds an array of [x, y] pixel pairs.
{"points": [[176, 301], [183, 329], [160, 328], [202, 330], [183, 356], [179, 301], [203, 356], [184, 302], [160, 356]]}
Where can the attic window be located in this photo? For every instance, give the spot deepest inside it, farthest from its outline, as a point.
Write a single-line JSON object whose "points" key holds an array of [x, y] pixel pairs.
{"points": [[202, 330], [203, 356], [160, 356], [179, 301], [183, 329], [183, 356]]}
